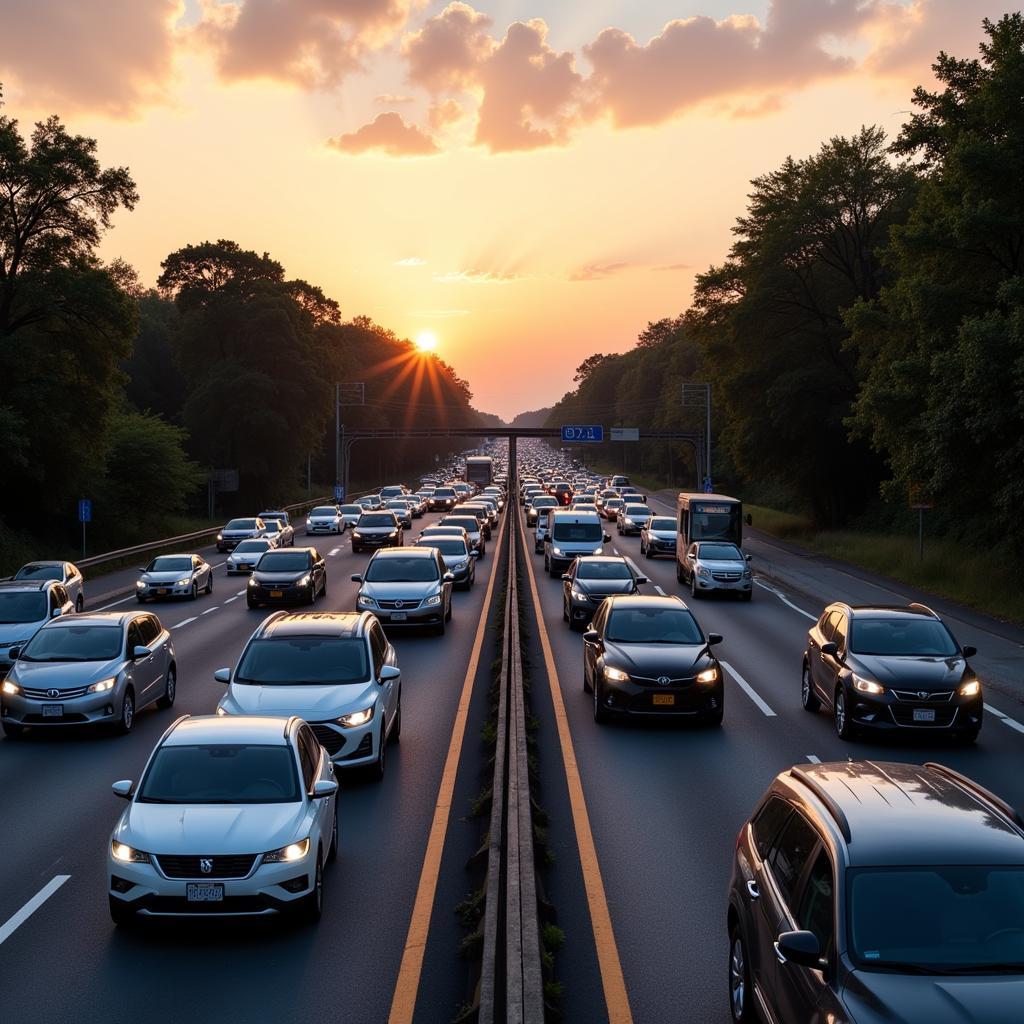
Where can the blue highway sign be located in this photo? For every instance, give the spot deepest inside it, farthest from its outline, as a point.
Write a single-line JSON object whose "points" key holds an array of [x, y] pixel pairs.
{"points": [[587, 432]]}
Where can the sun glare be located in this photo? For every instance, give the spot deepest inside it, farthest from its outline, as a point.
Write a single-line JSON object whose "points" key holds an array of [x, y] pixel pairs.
{"points": [[426, 341]]}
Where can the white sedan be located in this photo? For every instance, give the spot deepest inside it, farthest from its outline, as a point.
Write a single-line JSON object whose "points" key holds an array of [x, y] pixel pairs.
{"points": [[236, 817]]}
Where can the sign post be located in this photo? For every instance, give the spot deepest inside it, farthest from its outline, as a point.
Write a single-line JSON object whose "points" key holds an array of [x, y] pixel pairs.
{"points": [[920, 504], [84, 516], [339, 492], [588, 433]]}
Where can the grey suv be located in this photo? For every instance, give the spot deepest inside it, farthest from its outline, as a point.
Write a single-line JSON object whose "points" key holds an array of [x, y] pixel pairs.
{"points": [[409, 587], [716, 566], [25, 605], [867, 893]]}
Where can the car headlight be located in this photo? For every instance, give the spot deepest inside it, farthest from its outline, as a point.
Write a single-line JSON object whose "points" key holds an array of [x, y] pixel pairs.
{"points": [[392, 534], [969, 689], [598, 551], [704, 573], [433, 600], [309, 522], [141, 584], [746, 574], [577, 595], [458, 566], [127, 854], [556, 551], [253, 582], [709, 675], [102, 686], [627, 521], [365, 599], [220, 536], [293, 851], [304, 582], [616, 675], [867, 686], [356, 536], [356, 718], [184, 581], [10, 688]]}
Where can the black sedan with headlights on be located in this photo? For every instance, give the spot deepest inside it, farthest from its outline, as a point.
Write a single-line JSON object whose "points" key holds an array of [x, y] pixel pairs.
{"points": [[377, 530], [298, 575], [590, 580], [647, 656]]}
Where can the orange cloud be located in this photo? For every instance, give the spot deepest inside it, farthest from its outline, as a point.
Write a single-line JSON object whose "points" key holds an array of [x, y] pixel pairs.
{"points": [[445, 113], [389, 134], [597, 271], [475, 277], [445, 54]]}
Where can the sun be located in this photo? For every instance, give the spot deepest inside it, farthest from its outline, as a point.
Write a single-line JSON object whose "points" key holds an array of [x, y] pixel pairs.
{"points": [[426, 341]]}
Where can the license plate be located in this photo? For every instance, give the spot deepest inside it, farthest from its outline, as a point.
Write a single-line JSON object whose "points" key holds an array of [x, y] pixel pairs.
{"points": [[53, 711], [244, 566], [162, 590], [664, 699], [204, 892], [277, 593], [399, 616], [924, 714]]}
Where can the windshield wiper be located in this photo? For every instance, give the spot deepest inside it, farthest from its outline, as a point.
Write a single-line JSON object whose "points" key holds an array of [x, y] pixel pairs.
{"points": [[998, 967]]}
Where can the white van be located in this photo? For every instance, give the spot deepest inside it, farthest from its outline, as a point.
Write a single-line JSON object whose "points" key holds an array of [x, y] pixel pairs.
{"points": [[570, 534]]}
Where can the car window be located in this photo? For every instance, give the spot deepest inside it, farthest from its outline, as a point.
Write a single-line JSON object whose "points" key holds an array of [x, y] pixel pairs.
{"points": [[792, 850], [767, 823], [378, 649], [816, 910], [149, 629], [840, 634], [309, 756], [134, 637]]}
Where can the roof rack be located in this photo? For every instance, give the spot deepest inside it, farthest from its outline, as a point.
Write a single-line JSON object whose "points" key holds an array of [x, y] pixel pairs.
{"points": [[825, 797], [978, 790]]}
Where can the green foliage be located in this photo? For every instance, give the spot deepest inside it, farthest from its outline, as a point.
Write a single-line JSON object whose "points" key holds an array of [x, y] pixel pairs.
{"points": [[155, 383]]}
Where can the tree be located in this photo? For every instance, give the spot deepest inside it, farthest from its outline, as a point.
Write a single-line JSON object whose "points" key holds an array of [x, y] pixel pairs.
{"points": [[155, 382], [587, 367]]}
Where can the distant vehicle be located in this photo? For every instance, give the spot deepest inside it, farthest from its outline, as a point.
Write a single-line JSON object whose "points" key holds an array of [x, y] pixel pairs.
{"points": [[648, 656], [632, 518], [618, 481], [276, 514], [480, 471], [26, 605], [610, 508], [459, 558], [472, 527], [708, 517], [563, 493], [443, 499], [590, 580], [62, 572], [238, 530], [325, 519], [402, 512], [287, 577], [393, 491], [535, 509], [497, 493], [658, 537], [571, 534], [864, 892], [711, 566], [99, 668], [335, 669], [246, 554], [350, 515], [891, 669], [280, 530], [174, 576], [370, 502], [412, 587], [233, 817], [479, 512], [377, 530]]}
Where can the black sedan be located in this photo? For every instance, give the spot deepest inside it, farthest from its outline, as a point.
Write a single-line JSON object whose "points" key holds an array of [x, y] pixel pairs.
{"points": [[647, 656], [298, 575], [590, 580]]}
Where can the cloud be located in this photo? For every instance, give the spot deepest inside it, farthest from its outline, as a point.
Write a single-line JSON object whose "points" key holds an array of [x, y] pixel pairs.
{"points": [[439, 314], [597, 271], [445, 113], [475, 277], [410, 261], [115, 57], [674, 266], [389, 134], [760, 108], [445, 54], [391, 99]]}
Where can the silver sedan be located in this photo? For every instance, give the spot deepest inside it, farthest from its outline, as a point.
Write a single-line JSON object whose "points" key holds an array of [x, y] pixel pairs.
{"points": [[174, 576], [62, 572]]}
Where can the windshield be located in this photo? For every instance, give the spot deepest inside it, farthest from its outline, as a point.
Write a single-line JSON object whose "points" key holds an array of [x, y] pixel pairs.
{"points": [[221, 773], [444, 545], [352, 510], [26, 606], [603, 571], [74, 643], [401, 570], [721, 552], [544, 502], [715, 522], [902, 637], [444, 492], [40, 572], [299, 660], [326, 510], [378, 519], [653, 626], [241, 524], [658, 523], [589, 533], [274, 523], [170, 563], [283, 561], [252, 545], [945, 918], [442, 531], [468, 523], [398, 506]]}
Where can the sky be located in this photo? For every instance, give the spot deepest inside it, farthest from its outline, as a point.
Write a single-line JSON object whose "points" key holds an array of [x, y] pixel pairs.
{"points": [[531, 181]]}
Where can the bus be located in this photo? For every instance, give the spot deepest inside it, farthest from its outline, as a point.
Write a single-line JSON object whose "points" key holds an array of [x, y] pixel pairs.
{"points": [[480, 471], [708, 517]]}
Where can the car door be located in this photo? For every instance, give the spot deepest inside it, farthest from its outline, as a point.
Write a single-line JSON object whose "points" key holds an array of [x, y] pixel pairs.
{"points": [[148, 672], [73, 583], [592, 648], [319, 570], [311, 758], [157, 639], [446, 587], [832, 664], [821, 633], [388, 687], [689, 562], [567, 585]]}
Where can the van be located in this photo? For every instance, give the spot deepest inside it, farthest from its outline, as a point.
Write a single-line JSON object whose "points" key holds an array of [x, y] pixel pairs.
{"points": [[569, 535]]}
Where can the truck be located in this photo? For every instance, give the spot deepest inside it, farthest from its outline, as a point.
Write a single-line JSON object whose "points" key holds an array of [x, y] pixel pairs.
{"points": [[479, 471]]}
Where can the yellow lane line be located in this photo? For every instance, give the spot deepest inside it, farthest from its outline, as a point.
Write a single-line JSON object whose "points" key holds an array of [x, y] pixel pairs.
{"points": [[403, 1003], [615, 997]]}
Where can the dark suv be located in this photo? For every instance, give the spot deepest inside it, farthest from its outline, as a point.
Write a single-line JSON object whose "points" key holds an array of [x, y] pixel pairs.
{"points": [[867, 893], [893, 669]]}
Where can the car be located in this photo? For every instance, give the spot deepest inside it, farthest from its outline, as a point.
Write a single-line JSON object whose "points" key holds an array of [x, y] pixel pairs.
{"points": [[535, 509], [479, 511], [370, 502], [610, 508], [238, 530], [326, 519], [245, 556], [25, 605], [412, 587], [716, 566], [417, 505], [444, 499], [647, 656], [864, 892], [336, 670], [287, 577], [174, 576], [440, 530], [495, 492], [658, 537], [63, 572], [472, 526], [393, 491], [236, 817], [543, 528], [632, 496], [97, 668], [402, 512], [280, 530], [377, 530], [491, 504], [590, 580], [350, 514], [459, 558], [632, 518], [891, 669], [569, 535], [562, 492]]}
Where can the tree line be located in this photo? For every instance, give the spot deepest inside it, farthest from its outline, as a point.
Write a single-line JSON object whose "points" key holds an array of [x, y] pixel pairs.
{"points": [[864, 338]]}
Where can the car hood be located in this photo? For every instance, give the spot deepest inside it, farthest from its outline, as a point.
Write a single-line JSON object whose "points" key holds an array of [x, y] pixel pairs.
{"points": [[63, 675], [450, 560], [245, 556], [165, 577], [280, 577], [242, 533], [327, 519], [400, 591], [371, 531], [11, 632], [663, 534], [317, 703], [926, 673], [878, 998], [603, 588], [722, 564], [653, 660], [209, 828]]}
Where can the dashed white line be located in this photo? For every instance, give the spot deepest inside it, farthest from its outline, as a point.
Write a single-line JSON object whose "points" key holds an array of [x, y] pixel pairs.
{"points": [[749, 690], [17, 920], [114, 604], [184, 622], [786, 601], [333, 552], [230, 599], [240, 593], [616, 550], [660, 591], [213, 609], [814, 759], [1005, 719]]}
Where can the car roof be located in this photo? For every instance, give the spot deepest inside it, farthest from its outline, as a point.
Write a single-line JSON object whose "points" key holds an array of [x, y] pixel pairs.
{"points": [[402, 552], [25, 585], [646, 601], [284, 623], [901, 814], [92, 619], [43, 562], [591, 559], [265, 730], [887, 611], [572, 516]]}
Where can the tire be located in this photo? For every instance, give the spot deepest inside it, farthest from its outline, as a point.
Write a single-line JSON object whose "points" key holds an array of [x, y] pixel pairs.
{"points": [[209, 583], [312, 906], [439, 629], [648, 553], [379, 767], [714, 718], [600, 714], [140, 599], [323, 589], [12, 731], [166, 700], [740, 989], [396, 726], [121, 915], [547, 564], [252, 604], [311, 599], [127, 720], [694, 592], [586, 682], [747, 595], [844, 728], [194, 594], [565, 612], [448, 614], [332, 850], [967, 739], [679, 572], [79, 603], [808, 698]]}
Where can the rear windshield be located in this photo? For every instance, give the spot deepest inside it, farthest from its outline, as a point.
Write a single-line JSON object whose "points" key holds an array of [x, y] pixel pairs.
{"points": [[252, 545], [298, 660], [653, 626], [544, 501], [170, 563], [468, 523], [580, 532], [603, 571], [378, 519], [444, 492], [27, 606], [637, 510], [902, 637], [283, 561], [352, 510], [221, 773], [74, 643], [40, 572], [658, 523], [241, 524], [401, 570], [446, 545], [724, 552]]}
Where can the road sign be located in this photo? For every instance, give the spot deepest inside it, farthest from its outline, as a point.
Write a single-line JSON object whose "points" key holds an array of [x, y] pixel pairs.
{"points": [[708, 487], [625, 433], [339, 492], [920, 501], [85, 510], [224, 480], [592, 433]]}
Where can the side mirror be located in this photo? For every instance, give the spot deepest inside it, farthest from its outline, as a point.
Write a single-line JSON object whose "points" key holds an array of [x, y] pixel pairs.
{"points": [[357, 577], [142, 568], [607, 537], [714, 638], [324, 788], [831, 649], [222, 675], [448, 577], [969, 650], [389, 672], [123, 789], [567, 577], [140, 652], [474, 554], [748, 557], [55, 613], [748, 519], [642, 579], [801, 948], [591, 636], [13, 653]]}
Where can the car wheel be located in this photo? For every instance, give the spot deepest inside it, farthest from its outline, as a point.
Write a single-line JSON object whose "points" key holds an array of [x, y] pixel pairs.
{"points": [[311, 596], [251, 604], [209, 583], [679, 572], [194, 593], [13, 732], [440, 627], [714, 718], [121, 914], [127, 719], [565, 612], [547, 564], [448, 614], [323, 588], [166, 700], [332, 850], [747, 595], [740, 1002], [840, 715], [313, 904], [79, 603], [586, 681], [600, 713], [694, 592], [968, 739], [808, 697], [379, 767], [140, 599]]}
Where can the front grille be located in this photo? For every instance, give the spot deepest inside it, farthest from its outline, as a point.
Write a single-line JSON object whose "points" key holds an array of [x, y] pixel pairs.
{"points": [[903, 714], [233, 866], [651, 681], [912, 696], [399, 605], [330, 739], [726, 577], [77, 691], [274, 586]]}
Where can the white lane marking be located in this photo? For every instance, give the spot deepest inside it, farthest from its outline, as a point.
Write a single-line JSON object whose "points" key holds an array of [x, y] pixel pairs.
{"points": [[616, 550], [786, 601], [1005, 719], [660, 591], [240, 593], [749, 690], [184, 622], [13, 923], [114, 604], [333, 552], [230, 599], [213, 609], [814, 759]]}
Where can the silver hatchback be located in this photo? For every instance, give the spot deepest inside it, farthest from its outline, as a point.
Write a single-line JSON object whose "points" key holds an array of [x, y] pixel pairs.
{"points": [[411, 587]]}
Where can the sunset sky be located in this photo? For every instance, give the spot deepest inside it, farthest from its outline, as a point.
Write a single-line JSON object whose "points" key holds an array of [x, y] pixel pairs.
{"points": [[530, 181]]}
